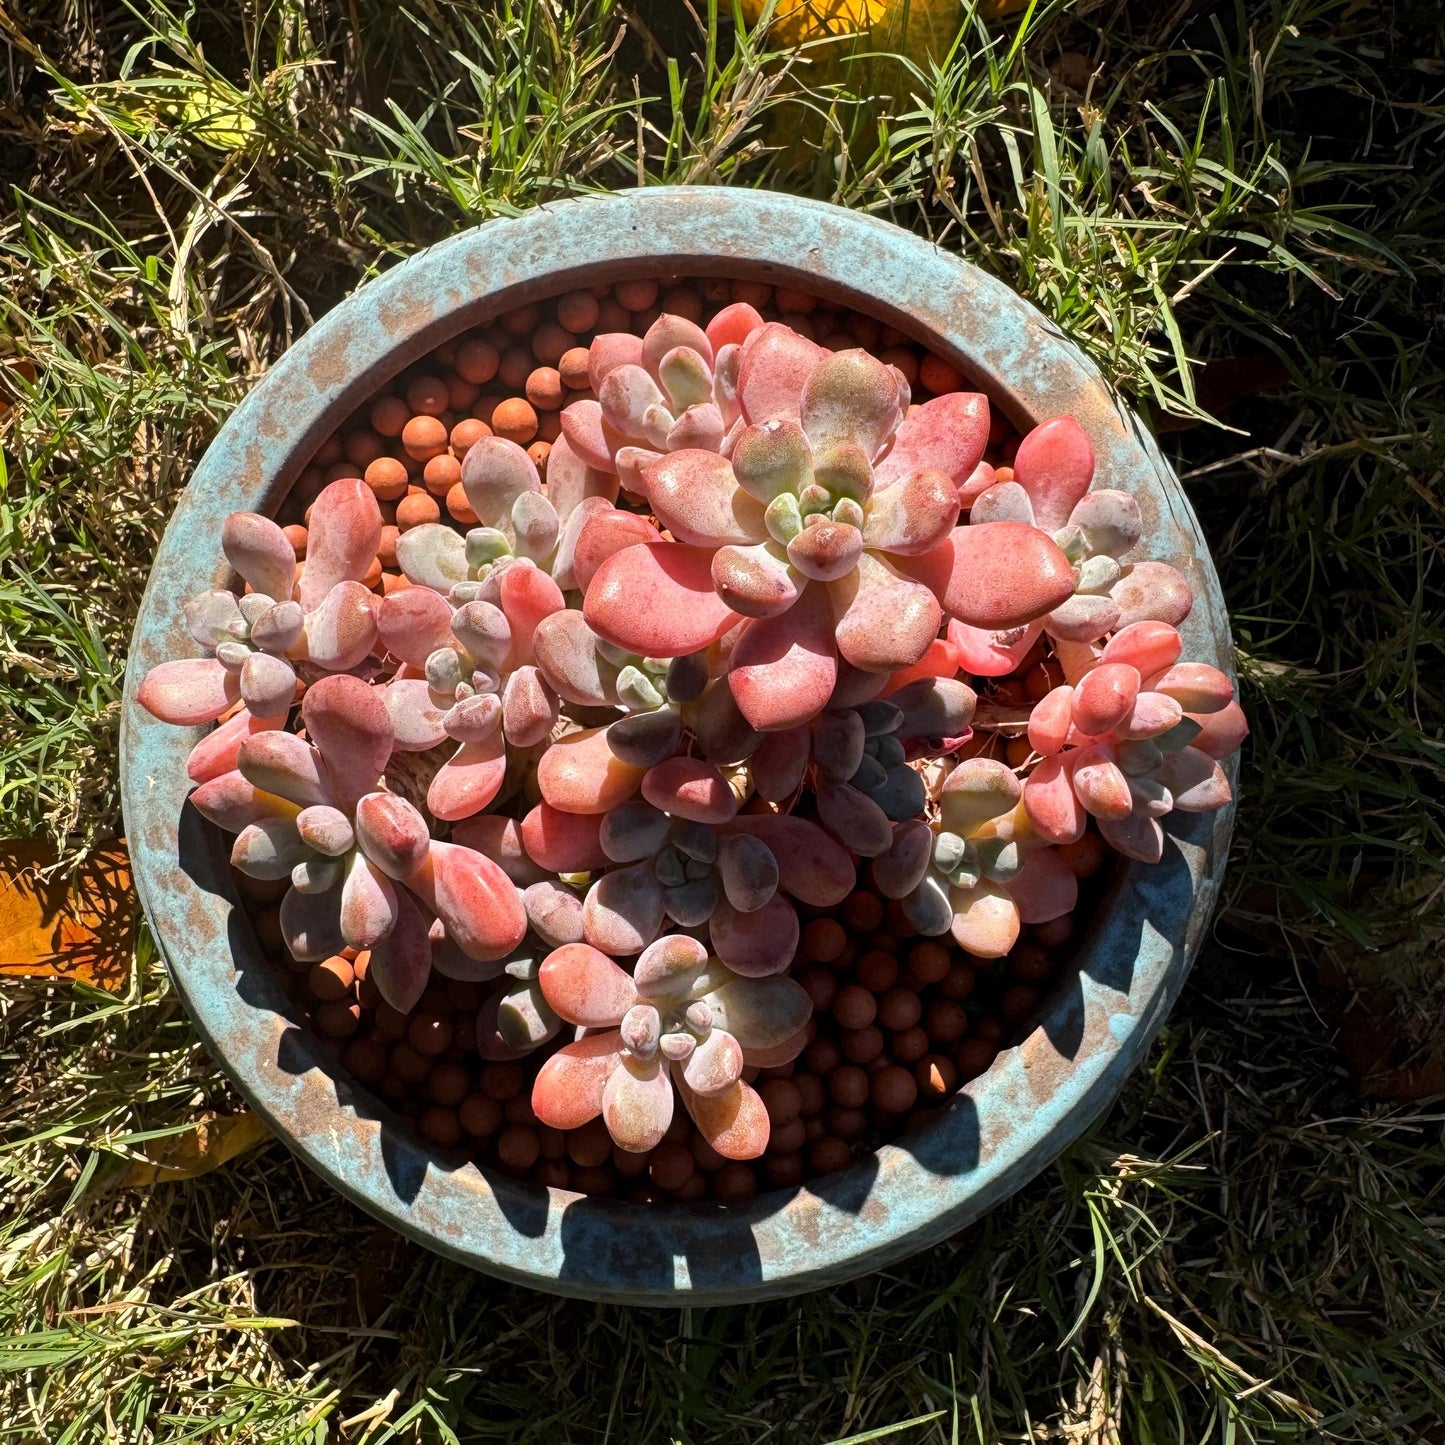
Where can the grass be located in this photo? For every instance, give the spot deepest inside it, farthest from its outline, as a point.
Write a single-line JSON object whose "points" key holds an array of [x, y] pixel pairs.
{"points": [[1235, 211]]}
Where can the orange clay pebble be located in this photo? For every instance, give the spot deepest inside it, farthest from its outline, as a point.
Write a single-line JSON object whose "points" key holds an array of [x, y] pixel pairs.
{"points": [[466, 434], [636, 295], [938, 376], [485, 405], [442, 473], [459, 509], [899, 1009], [935, 1076], [460, 395], [823, 940], [861, 1046], [550, 342], [441, 1126], [590, 1146], [424, 437], [390, 583], [612, 315], [330, 979], [372, 575], [549, 426], [418, 509], [577, 311], [671, 1166], [366, 1060], [829, 1155], [973, 1056], [329, 451], [894, 1090], [1086, 857], [427, 396], [386, 476], [572, 367], [388, 415], [908, 1046], [338, 1020], [386, 548], [539, 452], [516, 367], [477, 361], [339, 470], [734, 1181], [862, 912], [296, 536], [1003, 474], [480, 1116], [820, 984], [519, 1146], [515, 420], [904, 360], [682, 301], [521, 320], [854, 1007], [363, 446], [544, 388], [787, 299]]}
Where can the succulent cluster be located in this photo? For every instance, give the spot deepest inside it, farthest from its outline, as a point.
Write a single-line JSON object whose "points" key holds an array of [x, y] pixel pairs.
{"points": [[620, 718]]}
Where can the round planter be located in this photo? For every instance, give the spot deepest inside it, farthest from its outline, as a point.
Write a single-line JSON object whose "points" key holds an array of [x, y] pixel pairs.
{"points": [[1001, 1129]]}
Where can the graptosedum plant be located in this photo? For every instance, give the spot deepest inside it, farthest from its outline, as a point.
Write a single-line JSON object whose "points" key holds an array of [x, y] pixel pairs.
{"points": [[597, 749], [679, 1023]]}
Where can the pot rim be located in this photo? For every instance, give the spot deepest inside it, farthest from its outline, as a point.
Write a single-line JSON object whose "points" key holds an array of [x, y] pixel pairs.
{"points": [[1002, 1128]]}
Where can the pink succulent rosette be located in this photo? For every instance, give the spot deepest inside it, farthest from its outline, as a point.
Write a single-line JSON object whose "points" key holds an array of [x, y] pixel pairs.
{"points": [[1096, 529], [362, 867], [679, 1021], [822, 527], [979, 871], [1139, 735], [319, 618]]}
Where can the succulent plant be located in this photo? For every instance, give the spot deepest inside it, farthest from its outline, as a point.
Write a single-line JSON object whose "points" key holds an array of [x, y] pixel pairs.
{"points": [[673, 389], [784, 613], [320, 615], [652, 692], [516, 519], [1138, 736], [856, 759], [680, 1020], [1096, 530], [824, 528], [363, 869], [979, 870], [472, 678]]}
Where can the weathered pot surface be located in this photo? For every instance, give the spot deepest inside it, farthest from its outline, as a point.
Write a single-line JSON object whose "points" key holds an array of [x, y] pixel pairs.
{"points": [[1001, 1129]]}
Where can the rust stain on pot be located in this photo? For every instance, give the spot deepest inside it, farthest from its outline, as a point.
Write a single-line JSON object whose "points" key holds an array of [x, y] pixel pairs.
{"points": [[330, 365], [1006, 1125]]}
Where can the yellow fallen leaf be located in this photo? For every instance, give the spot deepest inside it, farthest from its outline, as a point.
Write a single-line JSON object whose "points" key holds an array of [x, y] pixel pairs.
{"points": [[209, 1143], [79, 926], [796, 22], [218, 120], [857, 44]]}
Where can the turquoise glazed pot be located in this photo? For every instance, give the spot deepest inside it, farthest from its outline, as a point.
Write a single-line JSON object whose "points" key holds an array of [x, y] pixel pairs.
{"points": [[1001, 1129]]}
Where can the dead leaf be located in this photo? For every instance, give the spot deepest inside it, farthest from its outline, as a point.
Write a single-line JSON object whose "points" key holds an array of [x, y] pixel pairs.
{"points": [[209, 1143], [77, 926], [796, 22]]}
